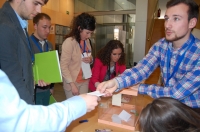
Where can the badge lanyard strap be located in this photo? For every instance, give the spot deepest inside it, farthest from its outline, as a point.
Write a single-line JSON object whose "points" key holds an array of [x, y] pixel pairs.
{"points": [[84, 48], [29, 46], [37, 44], [180, 58]]}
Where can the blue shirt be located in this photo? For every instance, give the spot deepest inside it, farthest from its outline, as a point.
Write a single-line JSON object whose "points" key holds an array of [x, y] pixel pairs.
{"points": [[22, 22], [17, 116], [183, 86]]}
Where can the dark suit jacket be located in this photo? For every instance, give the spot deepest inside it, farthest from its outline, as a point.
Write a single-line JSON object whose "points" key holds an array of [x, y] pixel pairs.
{"points": [[15, 56]]}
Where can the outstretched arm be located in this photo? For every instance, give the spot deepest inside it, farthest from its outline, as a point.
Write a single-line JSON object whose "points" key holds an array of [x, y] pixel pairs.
{"points": [[17, 115]]}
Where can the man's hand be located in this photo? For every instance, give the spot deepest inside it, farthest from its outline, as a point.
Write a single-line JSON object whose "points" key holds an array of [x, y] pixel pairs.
{"points": [[41, 83], [91, 101], [107, 87]]}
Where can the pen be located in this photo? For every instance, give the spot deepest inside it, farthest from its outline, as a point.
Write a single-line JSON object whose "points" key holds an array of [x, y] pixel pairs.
{"points": [[103, 130], [82, 121]]}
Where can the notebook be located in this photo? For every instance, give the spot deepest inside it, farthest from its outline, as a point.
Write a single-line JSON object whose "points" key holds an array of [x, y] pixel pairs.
{"points": [[47, 67]]}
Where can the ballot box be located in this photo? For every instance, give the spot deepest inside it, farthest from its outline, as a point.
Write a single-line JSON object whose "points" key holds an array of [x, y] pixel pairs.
{"points": [[117, 112]]}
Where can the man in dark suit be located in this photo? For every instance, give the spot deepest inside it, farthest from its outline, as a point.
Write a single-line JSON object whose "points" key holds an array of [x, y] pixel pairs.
{"points": [[16, 57]]}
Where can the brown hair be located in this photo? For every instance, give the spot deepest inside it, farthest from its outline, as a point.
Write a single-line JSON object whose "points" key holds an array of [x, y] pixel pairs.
{"points": [[193, 11], [40, 16], [169, 115], [45, 1], [82, 21], [105, 53]]}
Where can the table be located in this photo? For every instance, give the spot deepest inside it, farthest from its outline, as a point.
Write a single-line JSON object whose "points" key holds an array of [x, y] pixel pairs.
{"points": [[92, 124], [92, 117]]}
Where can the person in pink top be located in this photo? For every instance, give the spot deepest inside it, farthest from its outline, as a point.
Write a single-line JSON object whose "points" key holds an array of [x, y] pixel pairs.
{"points": [[109, 62]]}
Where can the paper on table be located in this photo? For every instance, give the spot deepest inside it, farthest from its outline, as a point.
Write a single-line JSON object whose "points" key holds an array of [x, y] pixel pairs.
{"points": [[116, 99], [124, 115], [96, 93], [87, 73], [116, 119]]}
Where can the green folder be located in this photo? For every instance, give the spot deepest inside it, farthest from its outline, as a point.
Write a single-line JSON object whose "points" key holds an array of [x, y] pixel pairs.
{"points": [[47, 67], [52, 100]]}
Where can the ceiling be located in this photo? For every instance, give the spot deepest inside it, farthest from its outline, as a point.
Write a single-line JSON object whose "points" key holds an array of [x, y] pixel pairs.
{"points": [[110, 5]]}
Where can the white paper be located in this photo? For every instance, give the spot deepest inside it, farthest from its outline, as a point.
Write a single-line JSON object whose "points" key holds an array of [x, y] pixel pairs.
{"points": [[116, 99], [124, 115], [116, 119], [96, 93], [87, 73]]}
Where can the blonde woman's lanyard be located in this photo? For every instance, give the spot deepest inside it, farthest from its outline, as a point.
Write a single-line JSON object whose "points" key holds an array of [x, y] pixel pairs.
{"points": [[179, 58]]}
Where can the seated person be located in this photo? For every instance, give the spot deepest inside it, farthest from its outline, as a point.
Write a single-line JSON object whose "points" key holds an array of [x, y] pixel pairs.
{"points": [[169, 115], [109, 62]]}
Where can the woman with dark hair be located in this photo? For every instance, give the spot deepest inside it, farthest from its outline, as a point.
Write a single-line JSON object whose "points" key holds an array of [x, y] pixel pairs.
{"points": [[169, 115], [76, 50], [109, 62]]}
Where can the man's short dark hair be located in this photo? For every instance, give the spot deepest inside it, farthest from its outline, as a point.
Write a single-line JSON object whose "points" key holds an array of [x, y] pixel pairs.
{"points": [[40, 16], [193, 11], [45, 1]]}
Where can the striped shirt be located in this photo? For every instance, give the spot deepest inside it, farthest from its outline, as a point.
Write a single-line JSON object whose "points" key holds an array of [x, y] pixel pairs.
{"points": [[183, 86]]}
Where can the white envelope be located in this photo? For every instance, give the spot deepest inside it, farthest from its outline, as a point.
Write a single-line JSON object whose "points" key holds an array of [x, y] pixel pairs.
{"points": [[87, 73]]}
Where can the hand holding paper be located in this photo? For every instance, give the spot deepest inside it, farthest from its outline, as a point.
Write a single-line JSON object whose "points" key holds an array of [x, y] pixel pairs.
{"points": [[96, 93], [91, 101]]}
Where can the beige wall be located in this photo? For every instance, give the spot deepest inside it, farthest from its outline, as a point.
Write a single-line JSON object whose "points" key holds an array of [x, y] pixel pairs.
{"points": [[1, 2]]}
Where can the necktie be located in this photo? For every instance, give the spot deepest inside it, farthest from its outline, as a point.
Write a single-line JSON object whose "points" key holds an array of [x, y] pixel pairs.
{"points": [[42, 43]]}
